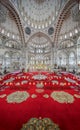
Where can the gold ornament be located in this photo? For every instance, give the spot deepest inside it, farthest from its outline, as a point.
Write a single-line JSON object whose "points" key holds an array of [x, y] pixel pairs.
{"points": [[40, 90], [62, 97], [17, 97], [17, 84], [40, 85], [54, 81], [33, 95], [62, 84], [46, 96]]}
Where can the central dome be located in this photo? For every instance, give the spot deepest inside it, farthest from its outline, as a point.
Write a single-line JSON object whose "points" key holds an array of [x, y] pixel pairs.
{"points": [[39, 13]]}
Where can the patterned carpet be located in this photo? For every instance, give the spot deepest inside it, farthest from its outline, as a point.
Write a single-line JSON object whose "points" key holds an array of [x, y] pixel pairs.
{"points": [[40, 101]]}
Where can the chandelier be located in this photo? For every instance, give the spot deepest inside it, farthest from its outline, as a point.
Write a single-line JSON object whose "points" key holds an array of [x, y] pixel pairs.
{"points": [[39, 1]]}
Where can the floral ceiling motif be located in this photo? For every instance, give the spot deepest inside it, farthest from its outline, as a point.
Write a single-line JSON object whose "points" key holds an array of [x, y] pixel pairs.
{"points": [[39, 13], [3, 13]]}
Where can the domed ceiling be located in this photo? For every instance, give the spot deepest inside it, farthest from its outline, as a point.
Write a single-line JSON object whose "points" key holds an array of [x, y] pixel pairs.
{"points": [[39, 44], [39, 13]]}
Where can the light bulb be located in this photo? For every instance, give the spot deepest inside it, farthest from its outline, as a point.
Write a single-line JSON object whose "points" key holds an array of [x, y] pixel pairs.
{"points": [[8, 34], [70, 34], [65, 36], [13, 36], [2, 31], [76, 31]]}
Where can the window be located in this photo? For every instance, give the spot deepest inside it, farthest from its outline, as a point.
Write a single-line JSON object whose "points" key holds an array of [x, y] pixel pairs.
{"points": [[72, 59]]}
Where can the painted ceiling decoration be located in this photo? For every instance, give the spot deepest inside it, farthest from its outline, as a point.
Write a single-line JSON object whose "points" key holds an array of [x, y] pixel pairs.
{"points": [[39, 1], [40, 13], [76, 13], [39, 44], [3, 13], [34, 16]]}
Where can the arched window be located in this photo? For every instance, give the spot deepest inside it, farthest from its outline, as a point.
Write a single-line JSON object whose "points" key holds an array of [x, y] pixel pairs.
{"points": [[16, 56], [16, 61], [7, 60], [72, 59], [62, 59]]}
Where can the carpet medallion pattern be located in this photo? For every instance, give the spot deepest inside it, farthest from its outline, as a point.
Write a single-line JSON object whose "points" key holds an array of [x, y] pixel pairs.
{"points": [[62, 97], [40, 77], [40, 124], [33, 95], [37, 103], [17, 97], [46, 96], [39, 85]]}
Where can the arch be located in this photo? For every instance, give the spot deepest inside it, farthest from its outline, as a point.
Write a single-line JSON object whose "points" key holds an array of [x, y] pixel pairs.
{"points": [[9, 5], [62, 59], [42, 34], [67, 43], [72, 52], [39, 51], [7, 52], [16, 54], [7, 60], [11, 40], [45, 43], [61, 17], [72, 58], [69, 39], [12, 43], [62, 52]]}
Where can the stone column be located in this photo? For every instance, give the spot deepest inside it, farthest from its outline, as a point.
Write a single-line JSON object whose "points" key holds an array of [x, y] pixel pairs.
{"points": [[23, 57]]}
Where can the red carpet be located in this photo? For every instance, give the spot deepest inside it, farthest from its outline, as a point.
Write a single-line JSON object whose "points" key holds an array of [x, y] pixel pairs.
{"points": [[40, 103]]}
